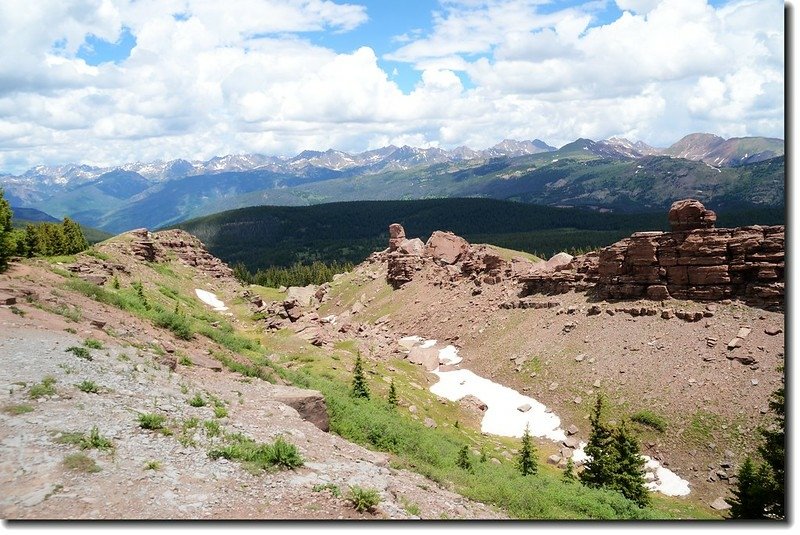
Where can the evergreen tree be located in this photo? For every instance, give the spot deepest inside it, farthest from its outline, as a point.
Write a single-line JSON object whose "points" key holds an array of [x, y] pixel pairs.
{"points": [[360, 389], [599, 470], [463, 460], [628, 476], [392, 399], [569, 472], [527, 462], [773, 451], [749, 496], [33, 241], [5, 232], [74, 240]]}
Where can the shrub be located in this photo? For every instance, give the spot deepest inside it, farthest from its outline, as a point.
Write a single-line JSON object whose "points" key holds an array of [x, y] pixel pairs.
{"points": [[364, 499], [80, 352], [463, 460], [94, 440], [88, 386], [185, 361], [152, 421], [650, 419], [259, 456], [212, 428], [179, 324], [197, 401], [92, 343], [45, 388], [220, 411], [152, 465]]}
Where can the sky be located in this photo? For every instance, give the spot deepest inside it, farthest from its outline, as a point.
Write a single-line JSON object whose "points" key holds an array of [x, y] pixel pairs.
{"points": [[104, 82]]}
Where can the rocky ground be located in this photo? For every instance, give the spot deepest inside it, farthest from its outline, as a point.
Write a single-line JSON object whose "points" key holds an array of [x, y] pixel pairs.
{"points": [[147, 474]]}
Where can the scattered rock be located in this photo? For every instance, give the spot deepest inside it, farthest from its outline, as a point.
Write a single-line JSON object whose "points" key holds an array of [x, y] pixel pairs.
{"points": [[572, 430], [772, 331], [720, 504], [428, 422], [524, 408], [554, 459]]}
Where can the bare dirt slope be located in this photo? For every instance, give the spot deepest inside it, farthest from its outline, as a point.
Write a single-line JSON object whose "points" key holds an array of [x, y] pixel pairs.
{"points": [[153, 475]]}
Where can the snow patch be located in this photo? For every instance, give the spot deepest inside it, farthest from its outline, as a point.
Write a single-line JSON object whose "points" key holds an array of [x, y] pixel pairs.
{"points": [[211, 300]]}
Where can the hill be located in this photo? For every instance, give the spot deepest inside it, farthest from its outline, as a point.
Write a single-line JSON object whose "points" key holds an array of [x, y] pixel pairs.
{"points": [[349, 231]]}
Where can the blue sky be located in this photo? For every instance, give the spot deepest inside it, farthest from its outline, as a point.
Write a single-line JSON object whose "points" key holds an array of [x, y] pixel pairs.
{"points": [[123, 80]]}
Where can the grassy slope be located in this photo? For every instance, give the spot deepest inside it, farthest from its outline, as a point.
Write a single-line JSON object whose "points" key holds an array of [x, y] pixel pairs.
{"points": [[412, 445]]}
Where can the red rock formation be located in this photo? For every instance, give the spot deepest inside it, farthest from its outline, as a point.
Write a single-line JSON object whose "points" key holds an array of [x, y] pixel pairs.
{"points": [[397, 235], [689, 214], [446, 247]]}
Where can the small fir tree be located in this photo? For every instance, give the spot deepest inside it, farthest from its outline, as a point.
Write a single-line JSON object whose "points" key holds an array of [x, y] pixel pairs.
{"points": [[773, 451], [569, 472], [463, 460], [749, 499], [5, 232], [527, 462], [360, 389], [599, 468], [628, 476], [392, 399]]}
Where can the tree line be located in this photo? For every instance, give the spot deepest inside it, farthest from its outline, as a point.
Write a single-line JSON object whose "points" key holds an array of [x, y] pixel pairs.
{"points": [[297, 274], [38, 239]]}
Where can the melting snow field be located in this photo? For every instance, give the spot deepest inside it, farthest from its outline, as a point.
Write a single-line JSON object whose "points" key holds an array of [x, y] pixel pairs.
{"points": [[508, 412], [211, 300]]}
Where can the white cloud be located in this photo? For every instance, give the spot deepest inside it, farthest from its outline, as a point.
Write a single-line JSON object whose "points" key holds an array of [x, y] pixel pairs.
{"points": [[231, 78]]}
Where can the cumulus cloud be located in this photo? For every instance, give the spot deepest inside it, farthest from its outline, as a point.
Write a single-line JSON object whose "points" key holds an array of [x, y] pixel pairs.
{"points": [[208, 78]]}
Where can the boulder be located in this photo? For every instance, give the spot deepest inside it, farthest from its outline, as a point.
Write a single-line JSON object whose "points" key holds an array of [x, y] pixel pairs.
{"points": [[720, 504], [446, 247], [303, 295], [412, 247], [690, 214], [310, 404], [558, 261], [427, 357], [397, 235]]}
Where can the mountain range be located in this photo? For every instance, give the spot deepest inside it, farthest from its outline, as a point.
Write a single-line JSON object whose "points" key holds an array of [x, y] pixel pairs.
{"points": [[614, 174]]}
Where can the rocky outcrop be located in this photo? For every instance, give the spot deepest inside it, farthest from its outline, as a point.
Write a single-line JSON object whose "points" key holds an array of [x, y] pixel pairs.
{"points": [[689, 214], [451, 257], [703, 264], [310, 404], [190, 251]]}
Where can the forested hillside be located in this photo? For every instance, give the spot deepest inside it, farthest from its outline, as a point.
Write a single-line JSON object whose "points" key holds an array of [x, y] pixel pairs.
{"points": [[349, 231]]}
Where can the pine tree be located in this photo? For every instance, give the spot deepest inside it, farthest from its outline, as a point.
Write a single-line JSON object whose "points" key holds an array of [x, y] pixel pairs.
{"points": [[773, 451], [599, 470], [527, 462], [392, 399], [360, 389], [749, 496], [569, 472], [628, 476], [74, 240], [463, 460], [5, 232]]}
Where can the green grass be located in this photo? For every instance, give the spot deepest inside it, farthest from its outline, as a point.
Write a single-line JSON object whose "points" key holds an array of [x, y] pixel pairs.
{"points": [[80, 462], [45, 388], [212, 428], [650, 419], [80, 352], [363, 499], [92, 440], [179, 324], [220, 411], [197, 401], [330, 487], [185, 361], [88, 386], [259, 456], [16, 409], [152, 465], [92, 343], [152, 421]]}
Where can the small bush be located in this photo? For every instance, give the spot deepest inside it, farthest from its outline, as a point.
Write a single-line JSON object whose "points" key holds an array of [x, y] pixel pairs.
{"points": [[364, 499], [334, 489], [152, 421], [18, 311], [260, 456], [220, 411], [212, 428], [650, 419], [197, 401], [93, 343], [94, 440], [80, 462], [88, 386], [152, 465], [179, 324], [45, 388], [80, 352], [185, 361], [191, 423]]}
